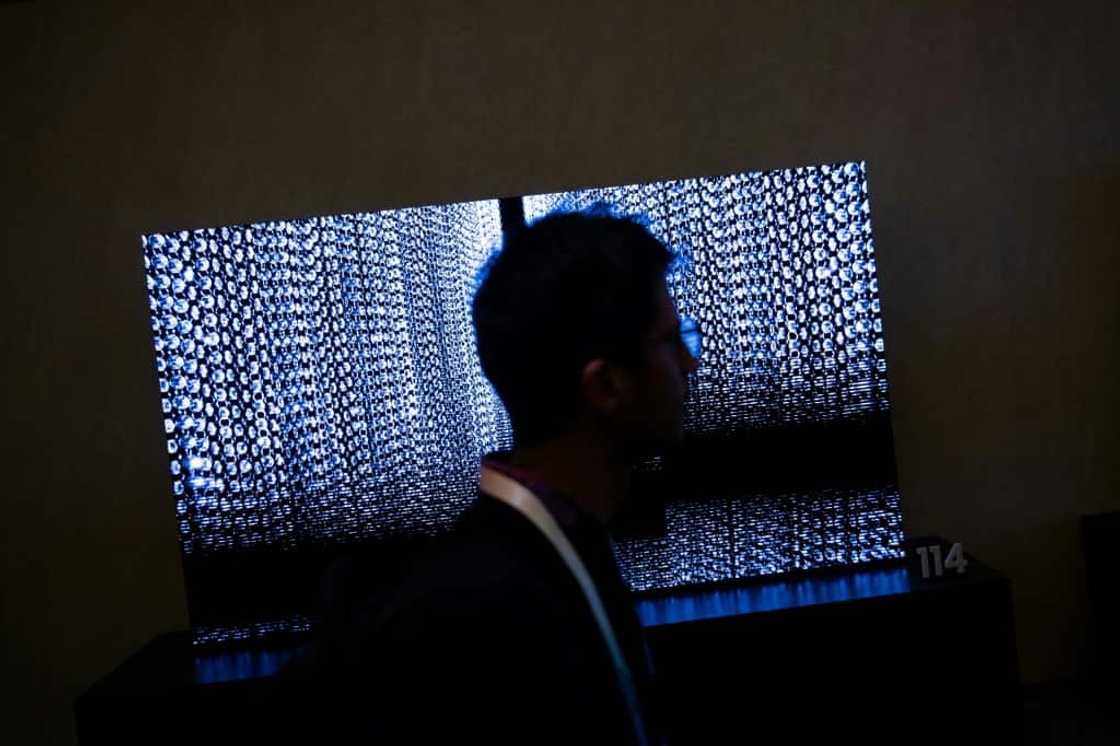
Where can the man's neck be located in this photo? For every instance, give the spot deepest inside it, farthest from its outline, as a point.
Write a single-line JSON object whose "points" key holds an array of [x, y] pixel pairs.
{"points": [[584, 468]]}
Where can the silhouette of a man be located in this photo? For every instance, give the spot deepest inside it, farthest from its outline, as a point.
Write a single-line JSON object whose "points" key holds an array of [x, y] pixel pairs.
{"points": [[520, 629]]}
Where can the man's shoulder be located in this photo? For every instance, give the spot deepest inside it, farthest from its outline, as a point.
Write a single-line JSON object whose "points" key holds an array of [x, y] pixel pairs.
{"points": [[491, 559], [491, 616]]}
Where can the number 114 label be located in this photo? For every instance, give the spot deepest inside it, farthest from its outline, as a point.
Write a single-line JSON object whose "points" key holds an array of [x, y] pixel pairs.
{"points": [[955, 560]]}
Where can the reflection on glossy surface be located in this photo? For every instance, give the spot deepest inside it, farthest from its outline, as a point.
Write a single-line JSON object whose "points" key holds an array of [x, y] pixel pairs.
{"points": [[773, 596], [248, 664]]}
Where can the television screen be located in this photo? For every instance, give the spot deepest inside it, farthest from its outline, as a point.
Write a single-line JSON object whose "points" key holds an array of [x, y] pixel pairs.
{"points": [[321, 389]]}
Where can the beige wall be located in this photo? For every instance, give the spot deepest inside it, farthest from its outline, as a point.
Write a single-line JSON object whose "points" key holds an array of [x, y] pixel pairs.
{"points": [[994, 176]]}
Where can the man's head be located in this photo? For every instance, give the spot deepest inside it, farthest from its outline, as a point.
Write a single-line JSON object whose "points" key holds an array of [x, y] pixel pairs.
{"points": [[576, 330]]}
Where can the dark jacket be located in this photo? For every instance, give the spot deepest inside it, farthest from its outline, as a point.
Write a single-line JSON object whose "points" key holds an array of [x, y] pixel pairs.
{"points": [[491, 639]]}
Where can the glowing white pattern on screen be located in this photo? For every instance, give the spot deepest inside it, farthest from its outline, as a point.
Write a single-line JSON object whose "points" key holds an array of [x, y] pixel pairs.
{"points": [[320, 381]]}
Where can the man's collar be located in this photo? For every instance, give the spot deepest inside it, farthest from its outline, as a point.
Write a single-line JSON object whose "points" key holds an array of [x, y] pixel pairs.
{"points": [[564, 509]]}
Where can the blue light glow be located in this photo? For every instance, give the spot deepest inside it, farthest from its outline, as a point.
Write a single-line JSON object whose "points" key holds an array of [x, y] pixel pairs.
{"points": [[774, 596], [238, 666]]}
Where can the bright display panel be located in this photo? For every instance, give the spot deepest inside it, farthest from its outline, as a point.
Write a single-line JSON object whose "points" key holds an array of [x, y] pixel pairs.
{"points": [[321, 389]]}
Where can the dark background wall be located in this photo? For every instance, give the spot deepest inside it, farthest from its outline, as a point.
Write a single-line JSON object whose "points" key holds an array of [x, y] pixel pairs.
{"points": [[987, 127]]}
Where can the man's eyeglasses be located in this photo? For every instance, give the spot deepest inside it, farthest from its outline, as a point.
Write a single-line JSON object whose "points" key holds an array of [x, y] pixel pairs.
{"points": [[690, 335]]}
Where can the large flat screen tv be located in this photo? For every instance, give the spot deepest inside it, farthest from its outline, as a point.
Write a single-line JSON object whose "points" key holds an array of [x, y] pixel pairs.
{"points": [[321, 391]]}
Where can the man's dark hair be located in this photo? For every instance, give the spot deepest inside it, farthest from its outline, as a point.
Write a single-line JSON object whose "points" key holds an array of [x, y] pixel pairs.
{"points": [[568, 288]]}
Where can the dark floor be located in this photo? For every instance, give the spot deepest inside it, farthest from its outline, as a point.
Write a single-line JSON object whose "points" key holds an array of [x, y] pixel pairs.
{"points": [[1071, 714]]}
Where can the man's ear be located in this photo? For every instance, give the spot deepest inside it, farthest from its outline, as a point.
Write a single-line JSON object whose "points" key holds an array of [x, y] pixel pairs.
{"points": [[605, 386]]}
